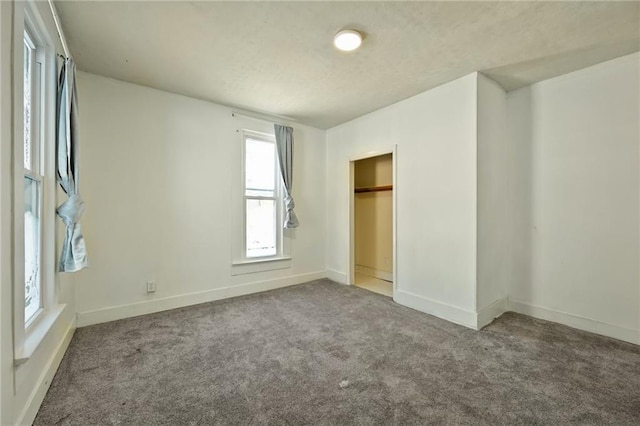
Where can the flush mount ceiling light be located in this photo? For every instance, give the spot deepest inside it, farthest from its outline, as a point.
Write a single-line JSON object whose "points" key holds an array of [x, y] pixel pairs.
{"points": [[347, 40]]}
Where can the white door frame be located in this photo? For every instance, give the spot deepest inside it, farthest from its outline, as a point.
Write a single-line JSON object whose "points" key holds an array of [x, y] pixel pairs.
{"points": [[351, 268]]}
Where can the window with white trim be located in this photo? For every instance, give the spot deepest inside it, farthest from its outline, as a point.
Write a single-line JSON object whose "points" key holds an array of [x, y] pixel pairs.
{"points": [[33, 175], [262, 198], [36, 307]]}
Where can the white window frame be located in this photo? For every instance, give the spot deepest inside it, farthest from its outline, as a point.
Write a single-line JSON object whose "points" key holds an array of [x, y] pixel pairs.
{"points": [[28, 335], [35, 170], [277, 196], [242, 264]]}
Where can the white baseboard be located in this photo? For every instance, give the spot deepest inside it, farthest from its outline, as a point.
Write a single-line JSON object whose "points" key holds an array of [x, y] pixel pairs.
{"points": [[376, 273], [576, 321], [486, 315], [339, 277], [32, 406], [441, 310], [157, 305]]}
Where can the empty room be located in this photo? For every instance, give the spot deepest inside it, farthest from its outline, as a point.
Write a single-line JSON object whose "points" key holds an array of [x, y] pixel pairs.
{"points": [[332, 213]]}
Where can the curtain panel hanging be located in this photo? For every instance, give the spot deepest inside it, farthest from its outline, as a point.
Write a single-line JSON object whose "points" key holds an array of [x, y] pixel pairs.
{"points": [[284, 148], [74, 253]]}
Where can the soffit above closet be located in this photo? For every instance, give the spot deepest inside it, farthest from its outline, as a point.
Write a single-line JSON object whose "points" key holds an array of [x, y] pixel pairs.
{"points": [[278, 57]]}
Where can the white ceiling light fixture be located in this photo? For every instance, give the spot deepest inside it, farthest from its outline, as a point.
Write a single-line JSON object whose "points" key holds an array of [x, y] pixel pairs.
{"points": [[347, 40]]}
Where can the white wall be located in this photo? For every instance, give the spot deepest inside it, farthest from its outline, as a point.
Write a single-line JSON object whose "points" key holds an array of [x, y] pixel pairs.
{"points": [[495, 225], [157, 171], [435, 134], [6, 216], [23, 388], [577, 143]]}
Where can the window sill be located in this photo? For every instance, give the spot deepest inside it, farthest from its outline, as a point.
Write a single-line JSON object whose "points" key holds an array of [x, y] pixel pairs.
{"points": [[260, 265], [37, 332]]}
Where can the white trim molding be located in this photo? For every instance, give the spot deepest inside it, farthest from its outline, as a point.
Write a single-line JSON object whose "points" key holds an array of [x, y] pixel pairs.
{"points": [[260, 265], [439, 309], [32, 406], [375, 273], [158, 305], [486, 315], [339, 277], [576, 321], [455, 314]]}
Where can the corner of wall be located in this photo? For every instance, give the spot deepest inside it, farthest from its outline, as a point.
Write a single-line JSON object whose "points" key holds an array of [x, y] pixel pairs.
{"points": [[493, 226], [567, 247], [339, 277], [486, 315], [436, 308]]}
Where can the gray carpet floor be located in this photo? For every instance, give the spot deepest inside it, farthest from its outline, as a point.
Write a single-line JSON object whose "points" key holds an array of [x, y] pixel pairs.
{"points": [[323, 353]]}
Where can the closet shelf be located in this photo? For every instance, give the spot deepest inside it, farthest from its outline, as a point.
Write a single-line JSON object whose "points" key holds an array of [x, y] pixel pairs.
{"points": [[374, 188]]}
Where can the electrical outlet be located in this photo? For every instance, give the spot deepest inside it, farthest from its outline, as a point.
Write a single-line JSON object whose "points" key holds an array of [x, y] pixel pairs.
{"points": [[151, 286]]}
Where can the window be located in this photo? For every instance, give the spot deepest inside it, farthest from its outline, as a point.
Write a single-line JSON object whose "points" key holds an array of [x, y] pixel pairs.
{"points": [[262, 198], [260, 243], [36, 306], [33, 178]]}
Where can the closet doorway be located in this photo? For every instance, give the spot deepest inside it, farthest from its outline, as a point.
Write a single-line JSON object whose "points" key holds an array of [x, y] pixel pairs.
{"points": [[372, 224]]}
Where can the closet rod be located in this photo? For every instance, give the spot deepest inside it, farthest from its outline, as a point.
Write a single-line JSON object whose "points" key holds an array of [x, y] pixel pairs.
{"points": [[374, 188]]}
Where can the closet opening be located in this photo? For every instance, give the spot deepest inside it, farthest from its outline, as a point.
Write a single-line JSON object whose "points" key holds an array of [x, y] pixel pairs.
{"points": [[372, 260]]}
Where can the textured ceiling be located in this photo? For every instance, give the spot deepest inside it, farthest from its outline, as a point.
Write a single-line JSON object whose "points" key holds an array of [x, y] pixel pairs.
{"points": [[278, 57]]}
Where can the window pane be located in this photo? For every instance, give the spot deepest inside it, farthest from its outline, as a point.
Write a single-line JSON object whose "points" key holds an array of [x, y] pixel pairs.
{"points": [[261, 228], [27, 104], [31, 247], [259, 193], [260, 167]]}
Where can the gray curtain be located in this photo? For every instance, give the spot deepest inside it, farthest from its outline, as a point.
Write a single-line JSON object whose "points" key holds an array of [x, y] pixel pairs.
{"points": [[284, 147], [74, 252]]}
